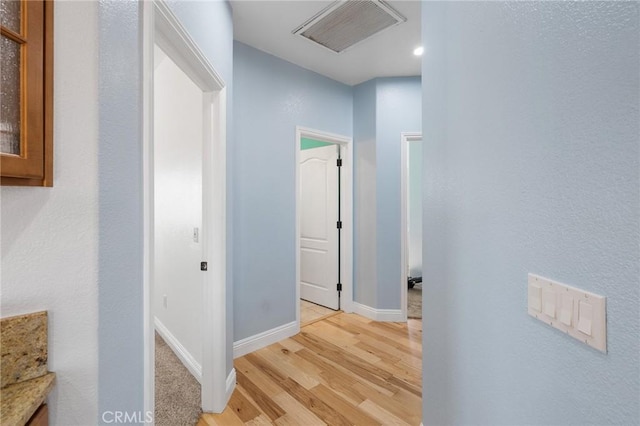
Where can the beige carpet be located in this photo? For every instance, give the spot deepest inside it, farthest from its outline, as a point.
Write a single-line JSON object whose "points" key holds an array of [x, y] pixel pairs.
{"points": [[177, 391], [414, 302]]}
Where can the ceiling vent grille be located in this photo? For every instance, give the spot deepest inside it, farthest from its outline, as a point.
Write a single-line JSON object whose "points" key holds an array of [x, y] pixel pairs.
{"points": [[346, 23]]}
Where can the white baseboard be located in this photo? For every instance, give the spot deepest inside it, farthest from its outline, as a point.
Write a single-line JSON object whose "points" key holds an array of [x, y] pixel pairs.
{"points": [[387, 315], [231, 385], [266, 338], [181, 352]]}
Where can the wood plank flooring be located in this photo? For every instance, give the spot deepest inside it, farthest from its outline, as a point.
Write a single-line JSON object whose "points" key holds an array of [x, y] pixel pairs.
{"points": [[310, 312], [341, 370]]}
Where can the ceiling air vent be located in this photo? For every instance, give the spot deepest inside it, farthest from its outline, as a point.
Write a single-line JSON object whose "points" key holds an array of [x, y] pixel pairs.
{"points": [[346, 23]]}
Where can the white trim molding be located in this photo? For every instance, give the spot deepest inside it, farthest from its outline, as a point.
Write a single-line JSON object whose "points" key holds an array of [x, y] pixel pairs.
{"points": [[383, 315], [175, 40], [181, 352], [231, 384], [346, 246], [266, 338]]}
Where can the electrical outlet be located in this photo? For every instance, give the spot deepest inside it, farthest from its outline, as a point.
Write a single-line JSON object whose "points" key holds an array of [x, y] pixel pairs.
{"points": [[164, 301]]}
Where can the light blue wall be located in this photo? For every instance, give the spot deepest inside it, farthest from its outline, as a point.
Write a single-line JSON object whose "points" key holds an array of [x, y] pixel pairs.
{"points": [[364, 193], [398, 109], [120, 180], [531, 160], [120, 332], [271, 98], [383, 109]]}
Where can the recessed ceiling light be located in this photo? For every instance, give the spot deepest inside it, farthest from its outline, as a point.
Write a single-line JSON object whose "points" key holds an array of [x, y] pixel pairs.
{"points": [[418, 51]]}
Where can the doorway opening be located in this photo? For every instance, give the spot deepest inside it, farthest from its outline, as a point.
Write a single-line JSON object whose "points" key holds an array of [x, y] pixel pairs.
{"points": [[184, 172], [411, 225], [177, 209], [324, 223]]}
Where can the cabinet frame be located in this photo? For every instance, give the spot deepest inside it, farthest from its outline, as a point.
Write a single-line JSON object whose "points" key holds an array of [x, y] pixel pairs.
{"points": [[34, 167]]}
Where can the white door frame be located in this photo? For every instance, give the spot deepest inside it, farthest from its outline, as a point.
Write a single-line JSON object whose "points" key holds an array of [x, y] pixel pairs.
{"points": [[161, 27], [346, 243], [405, 138]]}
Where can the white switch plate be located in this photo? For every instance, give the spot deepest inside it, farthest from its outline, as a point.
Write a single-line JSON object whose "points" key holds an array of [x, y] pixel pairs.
{"points": [[580, 314], [549, 302], [566, 309], [535, 298]]}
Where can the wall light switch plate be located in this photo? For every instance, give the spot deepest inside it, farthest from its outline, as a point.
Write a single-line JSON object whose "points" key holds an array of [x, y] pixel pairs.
{"points": [[549, 302], [579, 313], [535, 298], [566, 309]]}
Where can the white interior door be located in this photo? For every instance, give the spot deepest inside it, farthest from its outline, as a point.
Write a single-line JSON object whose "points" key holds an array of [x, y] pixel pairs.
{"points": [[318, 225]]}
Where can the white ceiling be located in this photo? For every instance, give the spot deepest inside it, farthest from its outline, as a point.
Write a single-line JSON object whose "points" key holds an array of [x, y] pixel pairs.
{"points": [[267, 25]]}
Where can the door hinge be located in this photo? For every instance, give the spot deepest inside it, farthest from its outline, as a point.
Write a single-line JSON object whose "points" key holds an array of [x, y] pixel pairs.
{"points": [[339, 224], [339, 287], [339, 162], [203, 266]]}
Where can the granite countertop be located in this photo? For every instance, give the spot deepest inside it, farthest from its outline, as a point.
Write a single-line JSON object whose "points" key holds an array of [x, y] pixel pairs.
{"points": [[24, 378], [20, 400]]}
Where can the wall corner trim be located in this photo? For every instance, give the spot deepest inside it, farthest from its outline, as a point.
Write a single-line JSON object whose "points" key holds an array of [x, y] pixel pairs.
{"points": [[231, 385], [181, 352], [385, 315], [266, 338]]}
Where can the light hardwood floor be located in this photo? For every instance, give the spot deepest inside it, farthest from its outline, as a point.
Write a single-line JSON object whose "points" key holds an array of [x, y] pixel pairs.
{"points": [[341, 370], [310, 312]]}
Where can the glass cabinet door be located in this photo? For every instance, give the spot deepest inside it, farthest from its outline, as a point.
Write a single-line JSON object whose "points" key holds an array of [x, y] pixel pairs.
{"points": [[10, 94], [22, 91], [11, 42]]}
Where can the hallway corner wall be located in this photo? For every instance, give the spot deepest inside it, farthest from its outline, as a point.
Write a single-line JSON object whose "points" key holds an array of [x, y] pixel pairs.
{"points": [[271, 98], [383, 109], [364, 192], [398, 109], [121, 350]]}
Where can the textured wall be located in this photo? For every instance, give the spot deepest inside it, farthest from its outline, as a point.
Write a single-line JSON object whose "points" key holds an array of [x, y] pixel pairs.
{"points": [[383, 109], [364, 193], [120, 332], [271, 98], [531, 165], [398, 109], [49, 251], [120, 163]]}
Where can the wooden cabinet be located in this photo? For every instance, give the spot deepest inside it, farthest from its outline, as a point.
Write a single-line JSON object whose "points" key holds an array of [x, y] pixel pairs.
{"points": [[40, 417], [26, 98]]}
